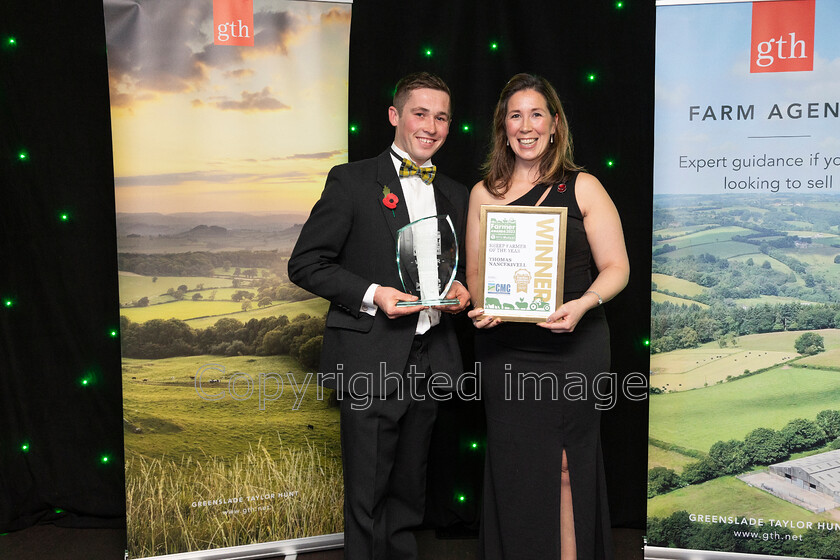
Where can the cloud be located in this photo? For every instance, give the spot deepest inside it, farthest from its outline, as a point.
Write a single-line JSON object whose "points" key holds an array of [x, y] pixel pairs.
{"points": [[160, 45], [292, 177], [336, 15], [148, 43], [315, 155], [168, 179], [250, 102], [240, 73], [121, 99], [214, 177], [274, 31], [673, 94], [820, 85]]}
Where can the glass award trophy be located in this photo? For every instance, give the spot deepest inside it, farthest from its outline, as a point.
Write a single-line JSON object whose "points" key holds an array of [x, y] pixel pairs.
{"points": [[427, 258]]}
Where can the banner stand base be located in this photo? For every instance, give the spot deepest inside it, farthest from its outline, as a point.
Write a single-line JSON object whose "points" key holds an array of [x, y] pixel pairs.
{"points": [[289, 549], [661, 553]]}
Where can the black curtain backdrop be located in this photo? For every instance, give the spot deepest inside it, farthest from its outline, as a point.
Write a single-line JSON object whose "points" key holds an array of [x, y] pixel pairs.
{"points": [[61, 275]]}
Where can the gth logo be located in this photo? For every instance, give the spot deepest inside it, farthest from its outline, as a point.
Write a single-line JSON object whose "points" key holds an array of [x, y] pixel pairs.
{"points": [[782, 36], [233, 22]]}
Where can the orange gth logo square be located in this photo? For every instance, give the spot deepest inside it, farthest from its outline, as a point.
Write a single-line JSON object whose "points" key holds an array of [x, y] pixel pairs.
{"points": [[233, 22], [782, 36]]}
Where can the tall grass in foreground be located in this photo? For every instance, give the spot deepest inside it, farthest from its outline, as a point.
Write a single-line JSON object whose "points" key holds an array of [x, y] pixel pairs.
{"points": [[166, 513]]}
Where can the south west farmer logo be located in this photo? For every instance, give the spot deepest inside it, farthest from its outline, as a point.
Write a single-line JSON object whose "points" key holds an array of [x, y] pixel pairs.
{"points": [[782, 36], [233, 22], [503, 229]]}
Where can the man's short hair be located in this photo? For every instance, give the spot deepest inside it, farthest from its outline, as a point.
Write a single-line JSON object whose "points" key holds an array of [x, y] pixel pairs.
{"points": [[417, 80]]}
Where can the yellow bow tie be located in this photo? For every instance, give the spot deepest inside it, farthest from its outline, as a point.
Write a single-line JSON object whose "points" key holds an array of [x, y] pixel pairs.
{"points": [[409, 168]]}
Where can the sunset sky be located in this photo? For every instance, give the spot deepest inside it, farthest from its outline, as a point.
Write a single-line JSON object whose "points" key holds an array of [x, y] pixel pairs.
{"points": [[199, 127]]}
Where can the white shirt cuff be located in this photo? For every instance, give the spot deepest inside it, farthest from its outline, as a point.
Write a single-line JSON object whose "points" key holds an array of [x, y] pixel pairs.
{"points": [[367, 302]]}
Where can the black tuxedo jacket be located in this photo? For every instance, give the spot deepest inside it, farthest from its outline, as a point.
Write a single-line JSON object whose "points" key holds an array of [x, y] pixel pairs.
{"points": [[348, 243]]}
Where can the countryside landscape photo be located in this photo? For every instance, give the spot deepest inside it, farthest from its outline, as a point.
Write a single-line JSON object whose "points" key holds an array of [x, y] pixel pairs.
{"points": [[228, 440], [745, 373]]}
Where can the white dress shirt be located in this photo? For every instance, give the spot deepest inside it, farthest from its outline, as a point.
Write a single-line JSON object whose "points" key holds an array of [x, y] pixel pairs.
{"points": [[419, 198]]}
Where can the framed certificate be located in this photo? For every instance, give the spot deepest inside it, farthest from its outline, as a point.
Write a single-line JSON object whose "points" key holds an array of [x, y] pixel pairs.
{"points": [[522, 257]]}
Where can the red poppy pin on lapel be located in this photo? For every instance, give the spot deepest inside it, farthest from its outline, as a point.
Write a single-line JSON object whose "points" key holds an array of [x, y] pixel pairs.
{"points": [[390, 200]]}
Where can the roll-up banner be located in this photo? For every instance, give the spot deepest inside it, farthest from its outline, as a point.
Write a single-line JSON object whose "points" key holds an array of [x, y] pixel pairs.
{"points": [[745, 345], [226, 116]]}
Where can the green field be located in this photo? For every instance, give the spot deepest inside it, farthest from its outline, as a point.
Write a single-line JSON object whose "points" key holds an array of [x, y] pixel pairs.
{"points": [[203, 313], [659, 297], [658, 457], [184, 310], [134, 286], [315, 307], [820, 260], [714, 235], [166, 416], [814, 235], [676, 372], [672, 232], [727, 496], [708, 364], [759, 258], [818, 256], [697, 419], [829, 358], [688, 359], [250, 428], [721, 250], [785, 340], [781, 343], [677, 285]]}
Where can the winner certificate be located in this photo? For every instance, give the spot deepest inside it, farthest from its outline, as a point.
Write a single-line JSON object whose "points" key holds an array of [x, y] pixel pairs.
{"points": [[522, 252]]}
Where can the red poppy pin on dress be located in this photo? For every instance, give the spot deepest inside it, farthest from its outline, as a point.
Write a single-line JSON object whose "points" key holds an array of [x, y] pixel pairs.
{"points": [[561, 188]]}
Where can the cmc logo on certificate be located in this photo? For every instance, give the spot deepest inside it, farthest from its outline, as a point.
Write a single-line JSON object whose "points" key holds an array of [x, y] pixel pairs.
{"points": [[233, 22], [782, 36]]}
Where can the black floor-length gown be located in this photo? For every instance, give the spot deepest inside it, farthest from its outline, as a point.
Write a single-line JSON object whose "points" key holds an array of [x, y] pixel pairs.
{"points": [[526, 438]]}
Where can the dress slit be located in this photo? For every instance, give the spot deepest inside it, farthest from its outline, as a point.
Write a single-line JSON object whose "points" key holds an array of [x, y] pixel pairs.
{"points": [[564, 535]]}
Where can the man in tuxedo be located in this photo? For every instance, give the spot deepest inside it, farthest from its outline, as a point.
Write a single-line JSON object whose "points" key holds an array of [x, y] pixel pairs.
{"points": [[389, 364]]}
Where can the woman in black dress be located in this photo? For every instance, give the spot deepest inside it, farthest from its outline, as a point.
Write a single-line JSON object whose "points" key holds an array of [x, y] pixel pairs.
{"points": [[544, 490]]}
